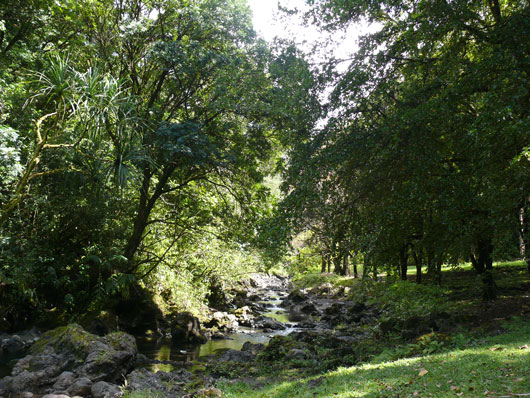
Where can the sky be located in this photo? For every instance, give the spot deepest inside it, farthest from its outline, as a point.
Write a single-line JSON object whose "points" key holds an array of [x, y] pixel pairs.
{"points": [[268, 24]]}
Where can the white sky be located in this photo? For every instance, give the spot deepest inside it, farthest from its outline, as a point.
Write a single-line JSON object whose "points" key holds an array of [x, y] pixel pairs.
{"points": [[269, 24]]}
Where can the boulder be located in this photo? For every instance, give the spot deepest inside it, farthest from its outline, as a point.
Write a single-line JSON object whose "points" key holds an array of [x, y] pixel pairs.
{"points": [[252, 348], [186, 328], [55, 396], [65, 380], [12, 345], [296, 354], [223, 321], [168, 385], [244, 316], [110, 358], [236, 356], [211, 392], [102, 389], [309, 308], [296, 296], [265, 322], [81, 387], [72, 349]]}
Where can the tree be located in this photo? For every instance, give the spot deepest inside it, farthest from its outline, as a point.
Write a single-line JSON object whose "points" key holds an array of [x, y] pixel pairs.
{"points": [[429, 124]]}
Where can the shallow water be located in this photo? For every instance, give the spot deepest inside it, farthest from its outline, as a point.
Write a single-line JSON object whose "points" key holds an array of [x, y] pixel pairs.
{"points": [[7, 361], [167, 350]]}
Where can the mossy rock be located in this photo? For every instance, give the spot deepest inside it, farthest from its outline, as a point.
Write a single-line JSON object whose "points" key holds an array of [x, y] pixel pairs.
{"points": [[279, 346], [64, 340]]}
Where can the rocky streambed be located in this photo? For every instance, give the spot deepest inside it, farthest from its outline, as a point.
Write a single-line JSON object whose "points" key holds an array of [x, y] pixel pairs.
{"points": [[266, 321]]}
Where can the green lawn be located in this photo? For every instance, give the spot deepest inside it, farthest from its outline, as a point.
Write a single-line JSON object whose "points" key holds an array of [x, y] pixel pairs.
{"points": [[497, 367]]}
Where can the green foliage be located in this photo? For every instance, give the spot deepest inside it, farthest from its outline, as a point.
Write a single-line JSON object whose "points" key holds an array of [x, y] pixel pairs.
{"points": [[136, 150]]}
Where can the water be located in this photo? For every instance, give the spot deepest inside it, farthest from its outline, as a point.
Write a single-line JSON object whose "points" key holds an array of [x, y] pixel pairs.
{"points": [[7, 361], [175, 355]]}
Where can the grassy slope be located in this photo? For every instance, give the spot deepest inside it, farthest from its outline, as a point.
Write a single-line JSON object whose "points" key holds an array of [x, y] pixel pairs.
{"points": [[494, 366], [499, 366]]}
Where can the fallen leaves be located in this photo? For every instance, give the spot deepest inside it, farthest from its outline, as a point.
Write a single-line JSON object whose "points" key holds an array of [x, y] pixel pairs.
{"points": [[423, 372]]}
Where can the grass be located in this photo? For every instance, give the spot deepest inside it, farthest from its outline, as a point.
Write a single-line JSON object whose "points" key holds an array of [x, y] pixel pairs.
{"points": [[497, 367]]}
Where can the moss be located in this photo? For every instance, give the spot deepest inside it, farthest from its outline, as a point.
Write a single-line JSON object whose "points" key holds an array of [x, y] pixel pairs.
{"points": [[120, 341], [71, 338]]}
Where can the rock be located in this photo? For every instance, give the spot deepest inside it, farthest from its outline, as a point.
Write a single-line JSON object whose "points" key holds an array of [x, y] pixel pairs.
{"points": [[388, 325], [143, 379], [296, 354], [252, 348], [65, 380], [102, 389], [295, 315], [186, 328], [269, 323], [357, 307], [325, 289], [12, 345], [296, 296], [315, 382], [55, 396], [244, 316], [334, 309], [110, 358], [236, 356], [167, 384], [82, 386], [72, 349], [309, 308], [223, 321], [26, 394], [211, 392]]}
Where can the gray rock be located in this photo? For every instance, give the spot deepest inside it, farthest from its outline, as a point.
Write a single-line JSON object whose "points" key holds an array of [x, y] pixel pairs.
{"points": [[167, 384], [13, 345], [252, 348], [236, 356], [296, 354], [110, 358], [102, 389], [223, 321], [74, 350], [269, 323], [82, 386], [309, 308], [65, 380], [55, 396], [245, 316], [186, 328], [26, 394]]}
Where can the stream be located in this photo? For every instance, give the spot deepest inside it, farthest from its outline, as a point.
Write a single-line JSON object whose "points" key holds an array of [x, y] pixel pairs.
{"points": [[166, 355], [170, 355]]}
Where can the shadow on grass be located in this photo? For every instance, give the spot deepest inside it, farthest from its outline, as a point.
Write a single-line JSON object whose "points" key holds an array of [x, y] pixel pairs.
{"points": [[500, 367]]}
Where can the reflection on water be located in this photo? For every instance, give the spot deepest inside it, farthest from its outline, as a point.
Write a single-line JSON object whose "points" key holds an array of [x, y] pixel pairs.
{"points": [[165, 350], [7, 362]]}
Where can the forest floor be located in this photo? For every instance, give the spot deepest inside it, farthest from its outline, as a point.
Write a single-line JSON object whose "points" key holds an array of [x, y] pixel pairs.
{"points": [[480, 348]]}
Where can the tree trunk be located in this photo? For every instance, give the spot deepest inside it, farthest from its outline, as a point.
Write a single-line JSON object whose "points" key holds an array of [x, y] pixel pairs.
{"points": [[483, 261], [418, 259], [336, 262], [145, 206], [524, 232], [438, 270], [323, 269], [346, 265], [366, 266], [403, 262], [355, 272]]}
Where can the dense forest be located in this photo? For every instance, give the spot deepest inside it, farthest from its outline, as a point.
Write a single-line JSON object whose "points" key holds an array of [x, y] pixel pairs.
{"points": [[161, 149]]}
